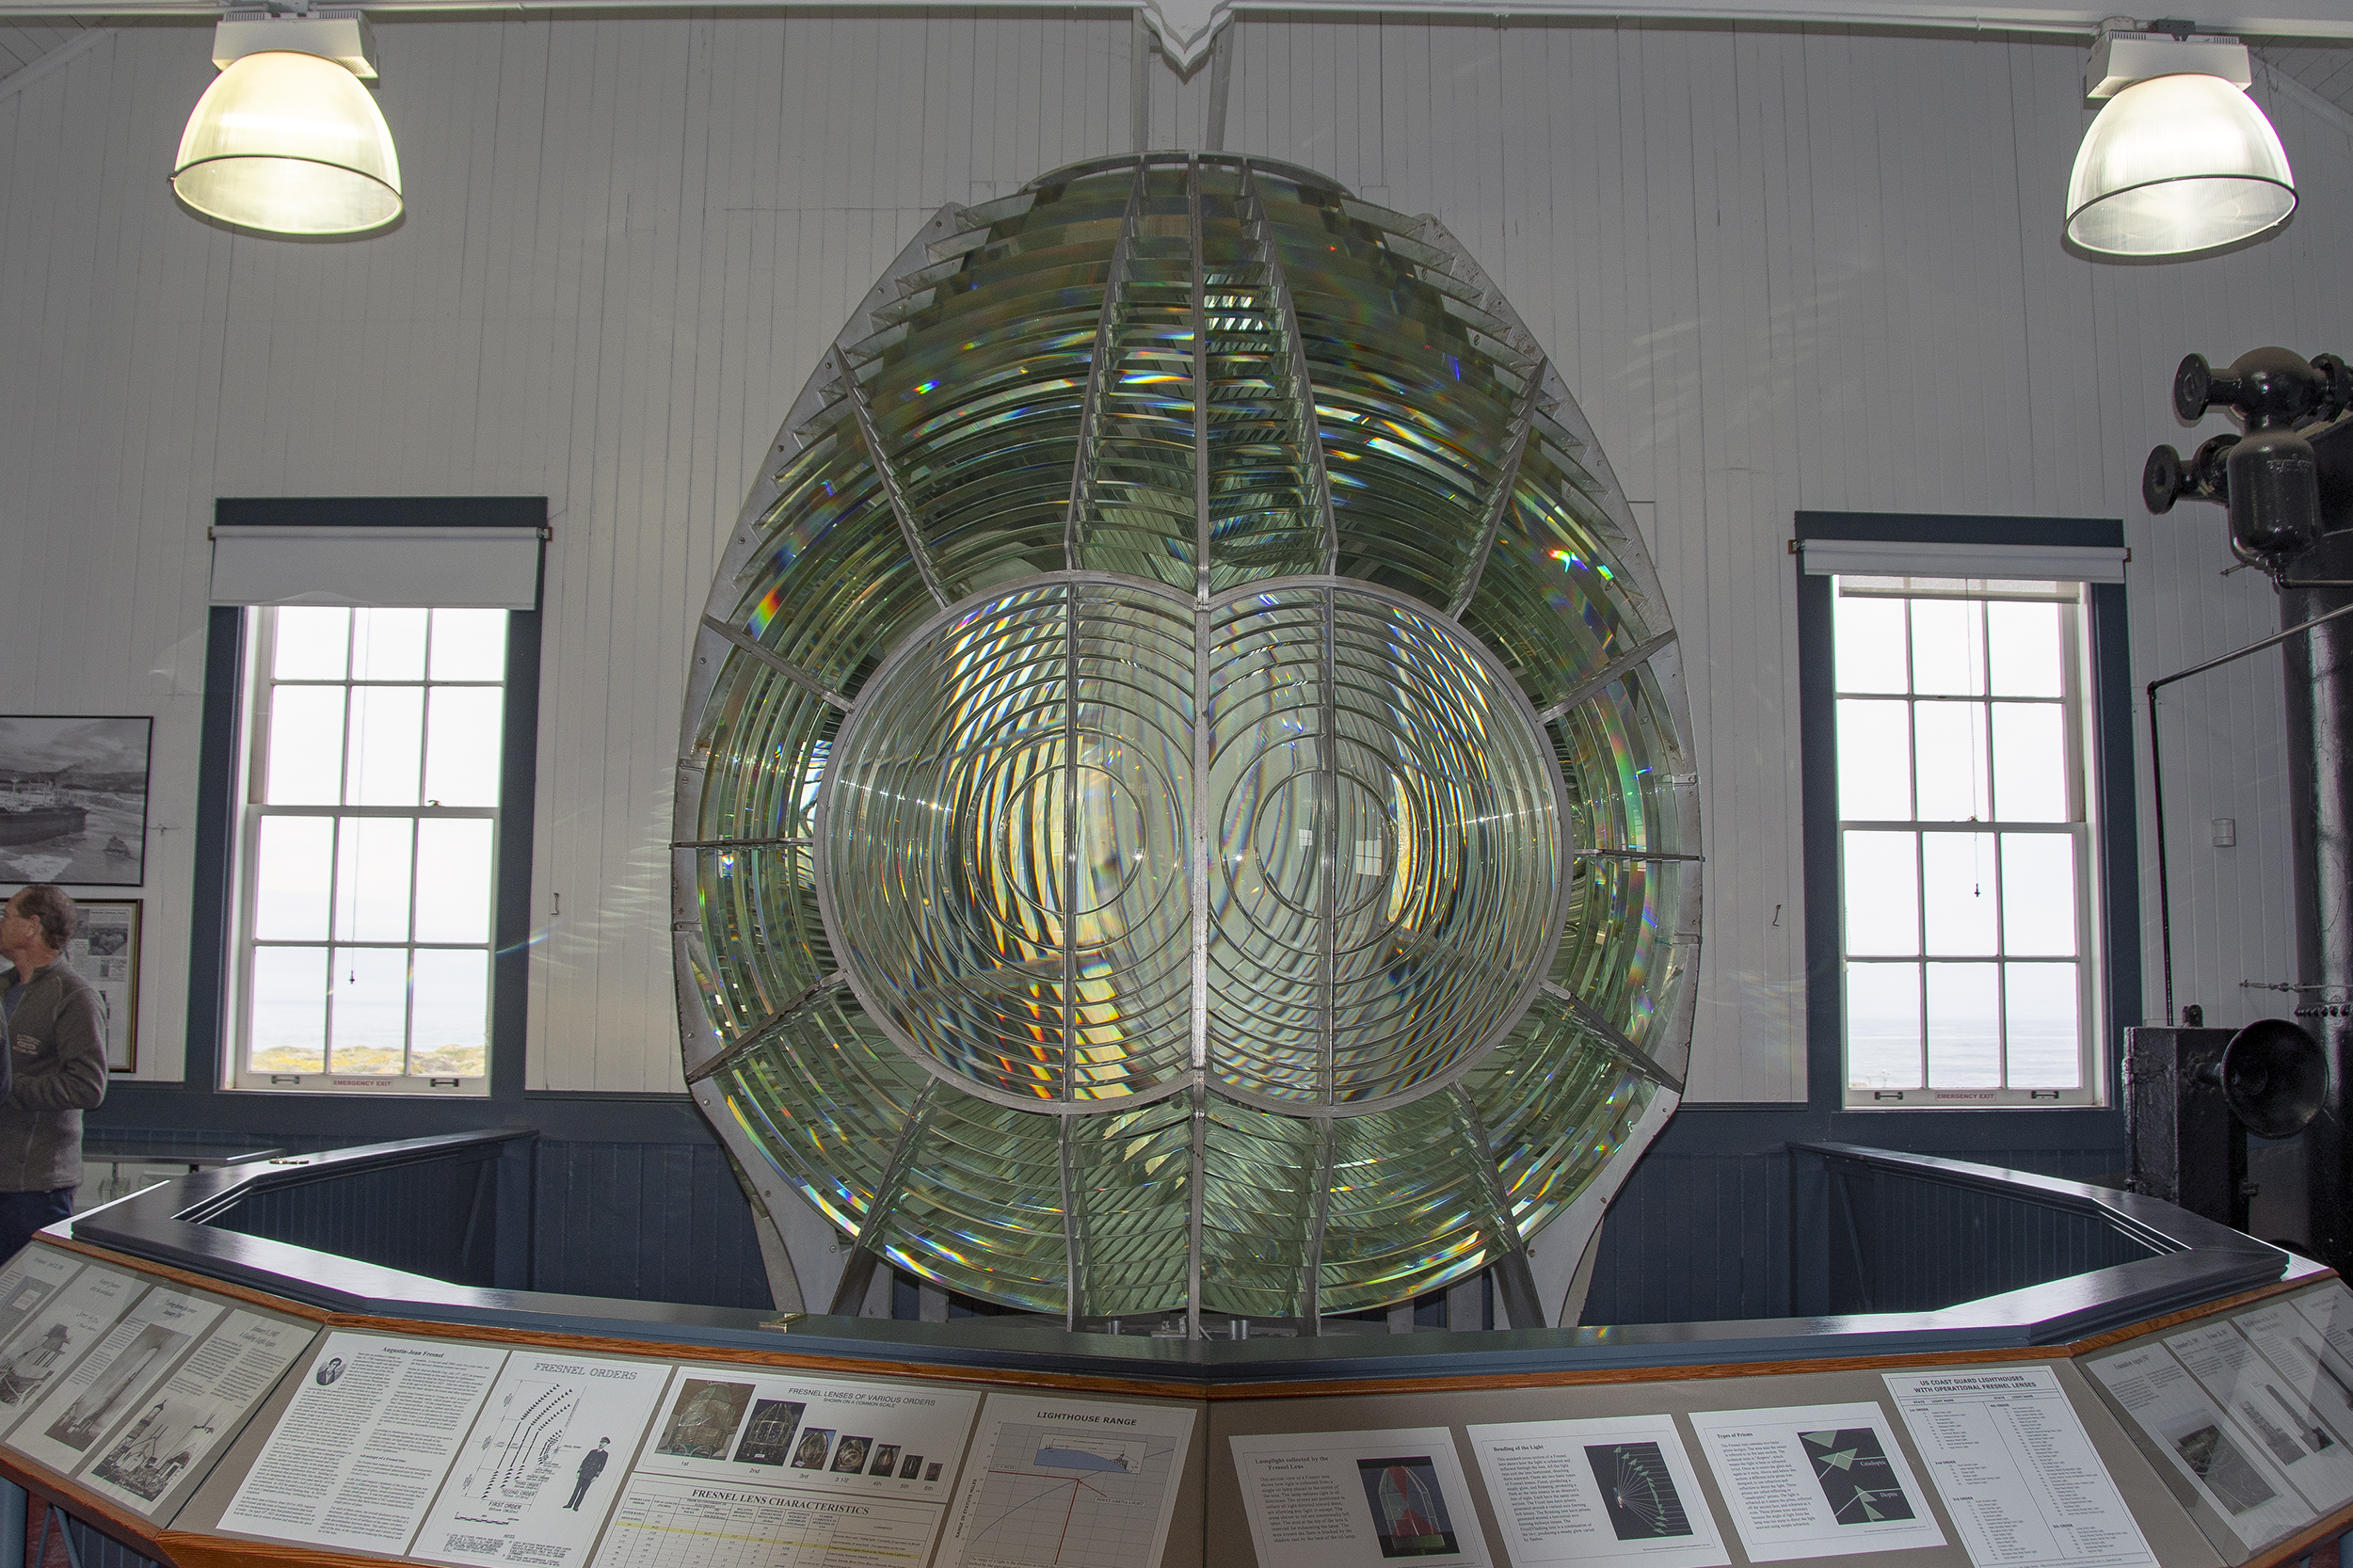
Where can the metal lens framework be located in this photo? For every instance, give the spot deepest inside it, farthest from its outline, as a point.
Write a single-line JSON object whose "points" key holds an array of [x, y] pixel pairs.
{"points": [[1010, 863], [1186, 803]]}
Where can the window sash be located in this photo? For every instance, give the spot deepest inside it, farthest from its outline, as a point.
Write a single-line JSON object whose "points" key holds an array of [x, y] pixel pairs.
{"points": [[2081, 828], [240, 1072]]}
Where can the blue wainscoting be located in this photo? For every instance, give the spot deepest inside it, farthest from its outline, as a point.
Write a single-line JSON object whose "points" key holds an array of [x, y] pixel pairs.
{"points": [[647, 1222], [633, 1198], [1718, 1223]]}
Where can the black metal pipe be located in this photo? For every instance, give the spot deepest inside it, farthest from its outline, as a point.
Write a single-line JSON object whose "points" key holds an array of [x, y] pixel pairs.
{"points": [[2319, 670]]}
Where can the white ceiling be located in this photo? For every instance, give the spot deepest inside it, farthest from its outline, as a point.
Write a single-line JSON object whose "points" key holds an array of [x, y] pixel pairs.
{"points": [[2325, 67]]}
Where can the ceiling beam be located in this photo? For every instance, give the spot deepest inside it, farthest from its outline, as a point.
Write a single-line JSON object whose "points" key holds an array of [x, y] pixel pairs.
{"points": [[1186, 27]]}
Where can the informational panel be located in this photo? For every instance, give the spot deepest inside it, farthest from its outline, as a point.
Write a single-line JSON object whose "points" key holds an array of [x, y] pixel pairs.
{"points": [[2248, 1415], [115, 1377], [150, 1463], [31, 1278], [1867, 1470], [448, 1451], [539, 1471], [1112, 1470], [749, 1465], [1597, 1490], [2225, 1466], [374, 1427], [1356, 1499], [1807, 1481], [2016, 1469], [53, 1336], [131, 1388]]}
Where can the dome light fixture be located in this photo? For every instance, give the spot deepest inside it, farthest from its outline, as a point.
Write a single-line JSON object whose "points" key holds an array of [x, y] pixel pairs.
{"points": [[2180, 162], [287, 140]]}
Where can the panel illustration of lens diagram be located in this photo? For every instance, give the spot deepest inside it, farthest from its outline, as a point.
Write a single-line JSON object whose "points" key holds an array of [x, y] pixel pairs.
{"points": [[543, 1464], [1816, 1481], [1610, 1487]]}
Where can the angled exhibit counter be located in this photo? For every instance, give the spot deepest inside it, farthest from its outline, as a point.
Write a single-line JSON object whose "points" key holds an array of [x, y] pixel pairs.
{"points": [[203, 1394]]}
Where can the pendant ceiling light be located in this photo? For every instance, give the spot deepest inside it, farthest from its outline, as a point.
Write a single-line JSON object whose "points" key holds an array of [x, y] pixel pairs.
{"points": [[2180, 162], [287, 140]]}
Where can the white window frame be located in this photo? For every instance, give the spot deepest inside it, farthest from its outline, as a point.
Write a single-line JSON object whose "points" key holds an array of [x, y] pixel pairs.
{"points": [[258, 661], [2078, 697]]}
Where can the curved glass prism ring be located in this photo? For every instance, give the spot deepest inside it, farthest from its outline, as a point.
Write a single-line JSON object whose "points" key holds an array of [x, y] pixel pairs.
{"points": [[1185, 802]]}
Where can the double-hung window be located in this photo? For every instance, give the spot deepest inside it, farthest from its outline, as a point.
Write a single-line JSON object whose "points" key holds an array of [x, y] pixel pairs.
{"points": [[1964, 839], [376, 828], [370, 840], [1963, 811]]}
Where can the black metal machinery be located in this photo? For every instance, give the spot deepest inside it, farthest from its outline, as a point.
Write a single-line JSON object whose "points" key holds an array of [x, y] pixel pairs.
{"points": [[2286, 483]]}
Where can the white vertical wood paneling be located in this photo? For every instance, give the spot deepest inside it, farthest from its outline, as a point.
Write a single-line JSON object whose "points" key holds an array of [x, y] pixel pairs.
{"points": [[1781, 267]]}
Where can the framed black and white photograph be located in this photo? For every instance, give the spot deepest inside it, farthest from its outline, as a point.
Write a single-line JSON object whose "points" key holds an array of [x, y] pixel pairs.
{"points": [[104, 950], [73, 799]]}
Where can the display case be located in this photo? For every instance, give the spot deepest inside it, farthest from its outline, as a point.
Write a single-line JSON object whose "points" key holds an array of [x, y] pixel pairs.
{"points": [[2156, 1389]]}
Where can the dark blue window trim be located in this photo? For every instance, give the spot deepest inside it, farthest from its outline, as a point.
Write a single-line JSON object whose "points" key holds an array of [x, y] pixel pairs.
{"points": [[213, 941], [2112, 729]]}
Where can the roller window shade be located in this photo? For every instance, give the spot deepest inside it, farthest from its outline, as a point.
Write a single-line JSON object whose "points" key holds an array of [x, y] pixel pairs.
{"points": [[377, 566], [1928, 558]]}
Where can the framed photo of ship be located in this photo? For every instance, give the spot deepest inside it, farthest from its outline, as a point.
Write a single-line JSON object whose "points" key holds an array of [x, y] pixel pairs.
{"points": [[73, 799], [105, 952]]}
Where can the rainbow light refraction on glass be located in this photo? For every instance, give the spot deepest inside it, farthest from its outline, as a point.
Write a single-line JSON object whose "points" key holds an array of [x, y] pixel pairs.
{"points": [[1186, 803]]}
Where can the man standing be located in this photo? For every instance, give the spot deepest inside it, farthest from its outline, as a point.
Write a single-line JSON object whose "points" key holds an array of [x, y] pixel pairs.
{"points": [[57, 1061], [591, 1467]]}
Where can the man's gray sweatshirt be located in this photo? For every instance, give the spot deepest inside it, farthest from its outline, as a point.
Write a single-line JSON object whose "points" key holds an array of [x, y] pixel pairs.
{"points": [[57, 1055]]}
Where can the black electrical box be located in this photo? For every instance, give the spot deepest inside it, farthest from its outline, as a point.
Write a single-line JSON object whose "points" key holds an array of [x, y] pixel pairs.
{"points": [[2186, 1146]]}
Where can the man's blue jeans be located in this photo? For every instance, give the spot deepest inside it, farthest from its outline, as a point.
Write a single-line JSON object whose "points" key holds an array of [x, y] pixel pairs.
{"points": [[22, 1213]]}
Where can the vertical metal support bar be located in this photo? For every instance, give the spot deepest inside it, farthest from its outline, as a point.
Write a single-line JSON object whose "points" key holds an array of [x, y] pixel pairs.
{"points": [[1204, 757], [1515, 1276], [1070, 840], [2319, 681], [1500, 498], [1203, 734], [858, 1279], [1139, 83], [856, 397], [1302, 384], [1090, 401], [1311, 1287], [1073, 1247], [1327, 837], [856, 1274], [1196, 1223], [1221, 87], [1201, 521]]}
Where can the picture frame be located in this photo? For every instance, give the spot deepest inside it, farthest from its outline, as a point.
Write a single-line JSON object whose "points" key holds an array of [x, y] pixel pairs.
{"points": [[74, 799], [104, 950]]}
